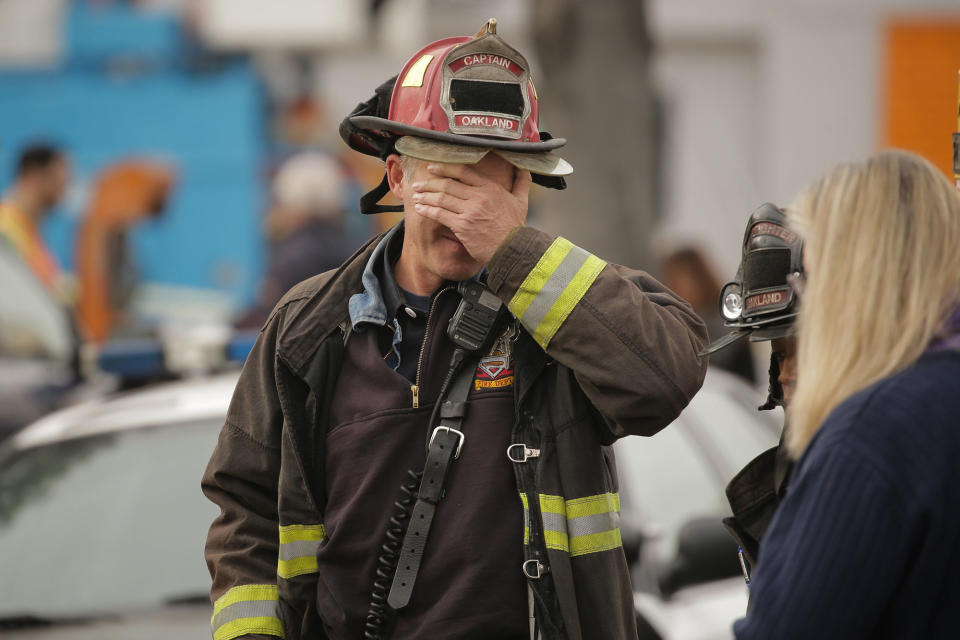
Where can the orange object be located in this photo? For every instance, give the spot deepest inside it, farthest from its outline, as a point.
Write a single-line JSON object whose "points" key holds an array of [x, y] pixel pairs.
{"points": [[920, 73], [124, 194], [956, 141]]}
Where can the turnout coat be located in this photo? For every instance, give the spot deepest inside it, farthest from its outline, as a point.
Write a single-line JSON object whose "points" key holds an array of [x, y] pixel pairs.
{"points": [[604, 351]]}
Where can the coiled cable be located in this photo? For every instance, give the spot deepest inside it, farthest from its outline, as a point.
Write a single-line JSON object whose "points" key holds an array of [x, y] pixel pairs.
{"points": [[380, 616]]}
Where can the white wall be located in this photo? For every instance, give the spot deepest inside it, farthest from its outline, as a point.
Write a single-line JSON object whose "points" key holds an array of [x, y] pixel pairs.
{"points": [[762, 97], [30, 32]]}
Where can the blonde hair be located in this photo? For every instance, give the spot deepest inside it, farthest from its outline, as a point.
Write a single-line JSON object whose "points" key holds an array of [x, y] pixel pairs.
{"points": [[882, 258]]}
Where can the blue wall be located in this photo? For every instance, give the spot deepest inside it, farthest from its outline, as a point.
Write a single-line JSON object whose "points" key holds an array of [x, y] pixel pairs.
{"points": [[209, 126]]}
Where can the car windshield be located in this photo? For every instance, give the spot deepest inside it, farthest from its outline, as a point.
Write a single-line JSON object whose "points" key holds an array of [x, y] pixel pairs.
{"points": [[109, 523]]}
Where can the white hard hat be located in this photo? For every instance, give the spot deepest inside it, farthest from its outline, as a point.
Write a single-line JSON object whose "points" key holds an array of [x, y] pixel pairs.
{"points": [[312, 183]]}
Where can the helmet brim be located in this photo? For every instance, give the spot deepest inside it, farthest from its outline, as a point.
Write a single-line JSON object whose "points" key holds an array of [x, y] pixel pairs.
{"points": [[773, 333], [375, 123], [542, 163], [725, 341], [762, 334]]}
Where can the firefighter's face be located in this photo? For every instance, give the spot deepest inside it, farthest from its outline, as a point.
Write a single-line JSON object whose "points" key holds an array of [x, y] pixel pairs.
{"points": [[785, 351], [433, 248]]}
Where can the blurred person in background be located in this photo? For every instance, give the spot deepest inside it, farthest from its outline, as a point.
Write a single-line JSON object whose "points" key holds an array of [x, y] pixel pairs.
{"points": [[686, 273], [338, 405], [42, 176], [38, 342], [866, 543], [760, 305], [305, 227], [124, 195]]}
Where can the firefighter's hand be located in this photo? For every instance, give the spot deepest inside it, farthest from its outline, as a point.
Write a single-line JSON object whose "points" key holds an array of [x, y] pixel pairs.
{"points": [[479, 211]]}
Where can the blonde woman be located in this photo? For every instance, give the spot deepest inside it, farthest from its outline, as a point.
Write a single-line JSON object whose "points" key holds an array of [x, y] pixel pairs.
{"points": [[867, 542]]}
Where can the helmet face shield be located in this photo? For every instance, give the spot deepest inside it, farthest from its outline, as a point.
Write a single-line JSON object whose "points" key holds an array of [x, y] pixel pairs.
{"points": [[760, 301], [486, 89]]}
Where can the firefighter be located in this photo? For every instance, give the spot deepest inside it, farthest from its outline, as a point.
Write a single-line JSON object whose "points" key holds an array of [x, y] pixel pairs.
{"points": [[761, 304], [418, 445], [865, 542], [42, 176]]}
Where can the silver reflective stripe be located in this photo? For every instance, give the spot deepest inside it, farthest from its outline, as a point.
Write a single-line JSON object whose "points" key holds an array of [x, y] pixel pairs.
{"points": [[597, 523], [298, 548], [555, 285], [247, 609], [555, 522], [582, 526]]}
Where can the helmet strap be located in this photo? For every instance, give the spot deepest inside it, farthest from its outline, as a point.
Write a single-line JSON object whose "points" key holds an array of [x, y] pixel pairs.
{"points": [[774, 391], [370, 201]]}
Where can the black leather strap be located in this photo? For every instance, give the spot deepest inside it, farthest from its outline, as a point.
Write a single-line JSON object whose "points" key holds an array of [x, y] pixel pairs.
{"points": [[370, 201], [444, 447]]}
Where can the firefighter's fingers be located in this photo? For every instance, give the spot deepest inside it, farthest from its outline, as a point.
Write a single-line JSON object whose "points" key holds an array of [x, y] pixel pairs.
{"points": [[446, 185], [447, 218], [462, 172], [521, 185], [440, 199]]}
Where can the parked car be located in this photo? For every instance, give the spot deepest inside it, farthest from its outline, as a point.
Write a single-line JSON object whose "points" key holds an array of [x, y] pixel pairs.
{"points": [[102, 522], [686, 573]]}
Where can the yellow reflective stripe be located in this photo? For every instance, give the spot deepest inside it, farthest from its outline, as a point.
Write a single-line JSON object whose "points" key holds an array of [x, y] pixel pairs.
{"points": [[558, 313], [581, 525], [244, 593], [552, 504], [595, 542], [295, 532], [245, 626], [592, 505], [538, 276], [553, 287], [297, 566], [526, 518], [414, 77], [298, 549], [554, 527], [556, 540], [242, 609]]}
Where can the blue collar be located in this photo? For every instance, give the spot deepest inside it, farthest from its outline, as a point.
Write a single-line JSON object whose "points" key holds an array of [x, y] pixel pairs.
{"points": [[369, 304]]}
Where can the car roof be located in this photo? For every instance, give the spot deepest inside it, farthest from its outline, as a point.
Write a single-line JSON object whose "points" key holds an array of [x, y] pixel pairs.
{"points": [[167, 403]]}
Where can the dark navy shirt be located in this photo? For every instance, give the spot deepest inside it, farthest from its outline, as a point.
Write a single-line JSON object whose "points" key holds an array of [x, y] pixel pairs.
{"points": [[410, 311], [867, 542]]}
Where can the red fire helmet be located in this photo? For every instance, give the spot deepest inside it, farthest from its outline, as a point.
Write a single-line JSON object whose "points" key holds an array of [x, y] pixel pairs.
{"points": [[456, 100]]}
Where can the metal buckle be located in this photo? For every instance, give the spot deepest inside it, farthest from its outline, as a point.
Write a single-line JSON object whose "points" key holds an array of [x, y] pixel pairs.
{"points": [[537, 565], [449, 430], [526, 452]]}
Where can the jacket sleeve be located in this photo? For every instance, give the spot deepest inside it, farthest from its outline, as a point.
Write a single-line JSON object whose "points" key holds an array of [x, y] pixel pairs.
{"points": [[241, 478], [631, 343]]}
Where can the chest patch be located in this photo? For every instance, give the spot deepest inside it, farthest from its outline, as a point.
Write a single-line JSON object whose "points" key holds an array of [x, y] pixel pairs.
{"points": [[495, 370]]}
